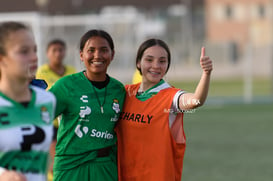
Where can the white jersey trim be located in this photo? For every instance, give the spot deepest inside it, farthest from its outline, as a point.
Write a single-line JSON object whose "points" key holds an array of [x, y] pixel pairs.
{"points": [[175, 107], [165, 85]]}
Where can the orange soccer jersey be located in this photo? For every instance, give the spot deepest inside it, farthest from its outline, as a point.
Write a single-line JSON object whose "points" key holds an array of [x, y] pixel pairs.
{"points": [[148, 149]]}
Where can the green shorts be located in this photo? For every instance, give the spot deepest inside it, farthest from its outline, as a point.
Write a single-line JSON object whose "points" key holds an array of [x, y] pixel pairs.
{"points": [[100, 169]]}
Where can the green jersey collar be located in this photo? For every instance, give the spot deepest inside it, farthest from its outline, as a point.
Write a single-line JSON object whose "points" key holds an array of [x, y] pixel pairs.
{"points": [[153, 90]]}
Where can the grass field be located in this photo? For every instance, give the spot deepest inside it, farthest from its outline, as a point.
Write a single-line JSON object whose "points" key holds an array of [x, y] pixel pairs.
{"points": [[232, 87], [229, 143], [228, 140]]}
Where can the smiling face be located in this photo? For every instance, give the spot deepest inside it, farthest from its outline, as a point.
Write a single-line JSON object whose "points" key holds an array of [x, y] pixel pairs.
{"points": [[96, 55], [20, 59], [153, 65]]}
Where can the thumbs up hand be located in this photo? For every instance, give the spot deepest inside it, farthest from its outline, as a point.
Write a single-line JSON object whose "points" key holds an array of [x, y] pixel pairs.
{"points": [[205, 62]]}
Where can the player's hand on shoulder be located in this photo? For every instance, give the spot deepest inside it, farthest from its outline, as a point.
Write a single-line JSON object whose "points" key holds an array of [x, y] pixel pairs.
{"points": [[205, 62]]}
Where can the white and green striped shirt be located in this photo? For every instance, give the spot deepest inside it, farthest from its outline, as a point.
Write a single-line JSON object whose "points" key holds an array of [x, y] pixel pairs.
{"points": [[26, 133]]}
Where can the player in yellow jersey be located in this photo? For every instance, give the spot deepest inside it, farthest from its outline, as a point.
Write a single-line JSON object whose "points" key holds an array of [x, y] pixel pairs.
{"points": [[55, 68], [51, 72], [136, 77]]}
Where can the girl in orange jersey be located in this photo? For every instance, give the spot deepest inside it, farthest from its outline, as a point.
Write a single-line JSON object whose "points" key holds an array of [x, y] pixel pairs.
{"points": [[151, 139]]}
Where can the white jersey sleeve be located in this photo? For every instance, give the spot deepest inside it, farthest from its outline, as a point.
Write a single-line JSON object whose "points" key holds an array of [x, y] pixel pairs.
{"points": [[175, 107]]}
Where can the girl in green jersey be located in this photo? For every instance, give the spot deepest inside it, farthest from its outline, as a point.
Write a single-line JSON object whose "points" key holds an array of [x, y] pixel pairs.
{"points": [[26, 111], [90, 103]]}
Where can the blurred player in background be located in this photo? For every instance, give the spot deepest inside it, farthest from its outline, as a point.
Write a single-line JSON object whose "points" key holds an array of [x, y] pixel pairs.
{"points": [[26, 111], [151, 138], [136, 77], [55, 68]]}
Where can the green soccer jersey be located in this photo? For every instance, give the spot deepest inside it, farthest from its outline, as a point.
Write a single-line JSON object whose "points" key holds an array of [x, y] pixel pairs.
{"points": [[89, 116], [26, 133]]}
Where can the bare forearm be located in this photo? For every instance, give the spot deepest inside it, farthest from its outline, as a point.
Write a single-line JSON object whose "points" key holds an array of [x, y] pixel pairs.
{"points": [[202, 89], [193, 100]]}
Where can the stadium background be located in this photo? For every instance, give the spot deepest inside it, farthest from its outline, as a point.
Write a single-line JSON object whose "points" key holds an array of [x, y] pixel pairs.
{"points": [[231, 137]]}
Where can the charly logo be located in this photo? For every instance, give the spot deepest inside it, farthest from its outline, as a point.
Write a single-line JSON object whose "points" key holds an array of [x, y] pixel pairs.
{"points": [[45, 114], [85, 110]]}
